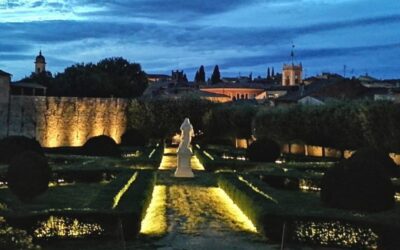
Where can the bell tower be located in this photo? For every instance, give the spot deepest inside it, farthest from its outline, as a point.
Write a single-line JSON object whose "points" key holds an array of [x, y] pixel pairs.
{"points": [[292, 74], [40, 63]]}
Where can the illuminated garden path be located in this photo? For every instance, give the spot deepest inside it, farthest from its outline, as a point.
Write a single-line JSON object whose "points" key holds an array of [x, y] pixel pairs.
{"points": [[196, 214]]}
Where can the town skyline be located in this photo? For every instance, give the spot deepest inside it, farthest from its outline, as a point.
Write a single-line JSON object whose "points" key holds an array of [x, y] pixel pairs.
{"points": [[242, 37]]}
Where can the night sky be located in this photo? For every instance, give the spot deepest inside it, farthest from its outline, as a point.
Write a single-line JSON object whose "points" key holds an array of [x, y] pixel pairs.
{"points": [[241, 36]]}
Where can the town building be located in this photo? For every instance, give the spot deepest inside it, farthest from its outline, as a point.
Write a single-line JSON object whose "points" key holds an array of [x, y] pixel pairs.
{"points": [[40, 63], [5, 79], [156, 78], [292, 74]]}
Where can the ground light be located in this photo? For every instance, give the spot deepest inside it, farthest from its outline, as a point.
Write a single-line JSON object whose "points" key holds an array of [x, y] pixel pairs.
{"points": [[155, 222], [239, 216], [118, 196]]}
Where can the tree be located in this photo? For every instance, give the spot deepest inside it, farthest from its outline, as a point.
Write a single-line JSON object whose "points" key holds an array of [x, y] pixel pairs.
{"points": [[196, 77], [216, 75], [202, 74], [161, 118], [359, 183], [115, 77]]}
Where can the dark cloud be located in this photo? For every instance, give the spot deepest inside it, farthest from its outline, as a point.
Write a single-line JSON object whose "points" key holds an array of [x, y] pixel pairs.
{"points": [[173, 25], [171, 9], [8, 46], [14, 57], [305, 54], [201, 37]]}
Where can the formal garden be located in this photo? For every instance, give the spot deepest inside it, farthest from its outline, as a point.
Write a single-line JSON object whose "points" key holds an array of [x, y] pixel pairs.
{"points": [[105, 195]]}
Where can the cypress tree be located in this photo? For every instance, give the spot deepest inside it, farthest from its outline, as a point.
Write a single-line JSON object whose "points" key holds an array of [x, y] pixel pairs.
{"points": [[216, 75], [202, 74]]}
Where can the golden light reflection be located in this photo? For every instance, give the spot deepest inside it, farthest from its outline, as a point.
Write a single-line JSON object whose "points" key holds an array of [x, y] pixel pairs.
{"points": [[196, 164], [193, 209], [155, 221], [121, 192], [66, 227], [235, 212], [170, 150], [169, 159]]}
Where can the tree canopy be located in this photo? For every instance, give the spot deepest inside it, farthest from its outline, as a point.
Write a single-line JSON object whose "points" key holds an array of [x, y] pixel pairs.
{"points": [[110, 77]]}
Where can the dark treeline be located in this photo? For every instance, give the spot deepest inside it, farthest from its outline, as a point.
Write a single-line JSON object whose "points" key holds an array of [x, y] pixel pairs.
{"points": [[111, 77], [341, 125]]}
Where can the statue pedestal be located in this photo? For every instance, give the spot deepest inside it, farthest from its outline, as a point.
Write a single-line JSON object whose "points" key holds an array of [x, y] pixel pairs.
{"points": [[184, 169]]}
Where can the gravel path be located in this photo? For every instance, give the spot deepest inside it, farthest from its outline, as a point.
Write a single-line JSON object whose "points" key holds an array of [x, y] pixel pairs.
{"points": [[199, 215]]}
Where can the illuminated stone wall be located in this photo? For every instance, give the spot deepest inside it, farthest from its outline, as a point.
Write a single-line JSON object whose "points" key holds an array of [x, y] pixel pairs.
{"points": [[63, 121]]}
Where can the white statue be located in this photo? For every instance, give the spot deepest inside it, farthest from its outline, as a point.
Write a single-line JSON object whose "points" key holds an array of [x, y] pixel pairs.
{"points": [[184, 152]]}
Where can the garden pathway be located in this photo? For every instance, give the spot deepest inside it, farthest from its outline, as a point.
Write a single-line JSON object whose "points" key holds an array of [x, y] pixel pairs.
{"points": [[198, 214]]}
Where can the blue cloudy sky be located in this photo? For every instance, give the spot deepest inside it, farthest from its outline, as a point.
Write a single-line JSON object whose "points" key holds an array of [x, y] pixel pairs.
{"points": [[241, 36]]}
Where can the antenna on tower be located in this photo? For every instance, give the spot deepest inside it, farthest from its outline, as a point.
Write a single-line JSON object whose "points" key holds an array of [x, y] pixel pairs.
{"points": [[292, 53]]}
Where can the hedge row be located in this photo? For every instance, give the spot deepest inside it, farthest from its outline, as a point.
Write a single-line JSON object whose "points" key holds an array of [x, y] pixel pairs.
{"points": [[218, 163], [123, 221], [135, 201], [341, 125], [269, 216]]}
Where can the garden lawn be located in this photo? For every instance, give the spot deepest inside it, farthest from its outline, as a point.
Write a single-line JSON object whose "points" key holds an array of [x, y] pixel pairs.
{"points": [[74, 196]]}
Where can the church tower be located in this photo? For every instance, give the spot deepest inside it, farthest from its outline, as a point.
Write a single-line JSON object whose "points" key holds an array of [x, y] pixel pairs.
{"points": [[292, 74], [40, 64]]}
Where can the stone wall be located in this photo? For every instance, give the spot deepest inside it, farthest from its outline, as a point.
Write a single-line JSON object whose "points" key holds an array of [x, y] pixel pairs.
{"points": [[63, 121]]}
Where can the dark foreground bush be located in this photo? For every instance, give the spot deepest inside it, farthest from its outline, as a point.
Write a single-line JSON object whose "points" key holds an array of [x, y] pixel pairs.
{"points": [[133, 137], [14, 145], [376, 159], [28, 175], [101, 146], [264, 150], [12, 238], [359, 183]]}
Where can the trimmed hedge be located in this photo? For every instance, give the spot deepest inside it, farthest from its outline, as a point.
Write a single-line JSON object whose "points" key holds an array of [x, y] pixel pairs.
{"points": [[14, 145], [28, 175], [303, 225], [359, 183], [264, 150], [341, 125], [220, 164], [124, 219], [101, 146], [134, 202]]}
